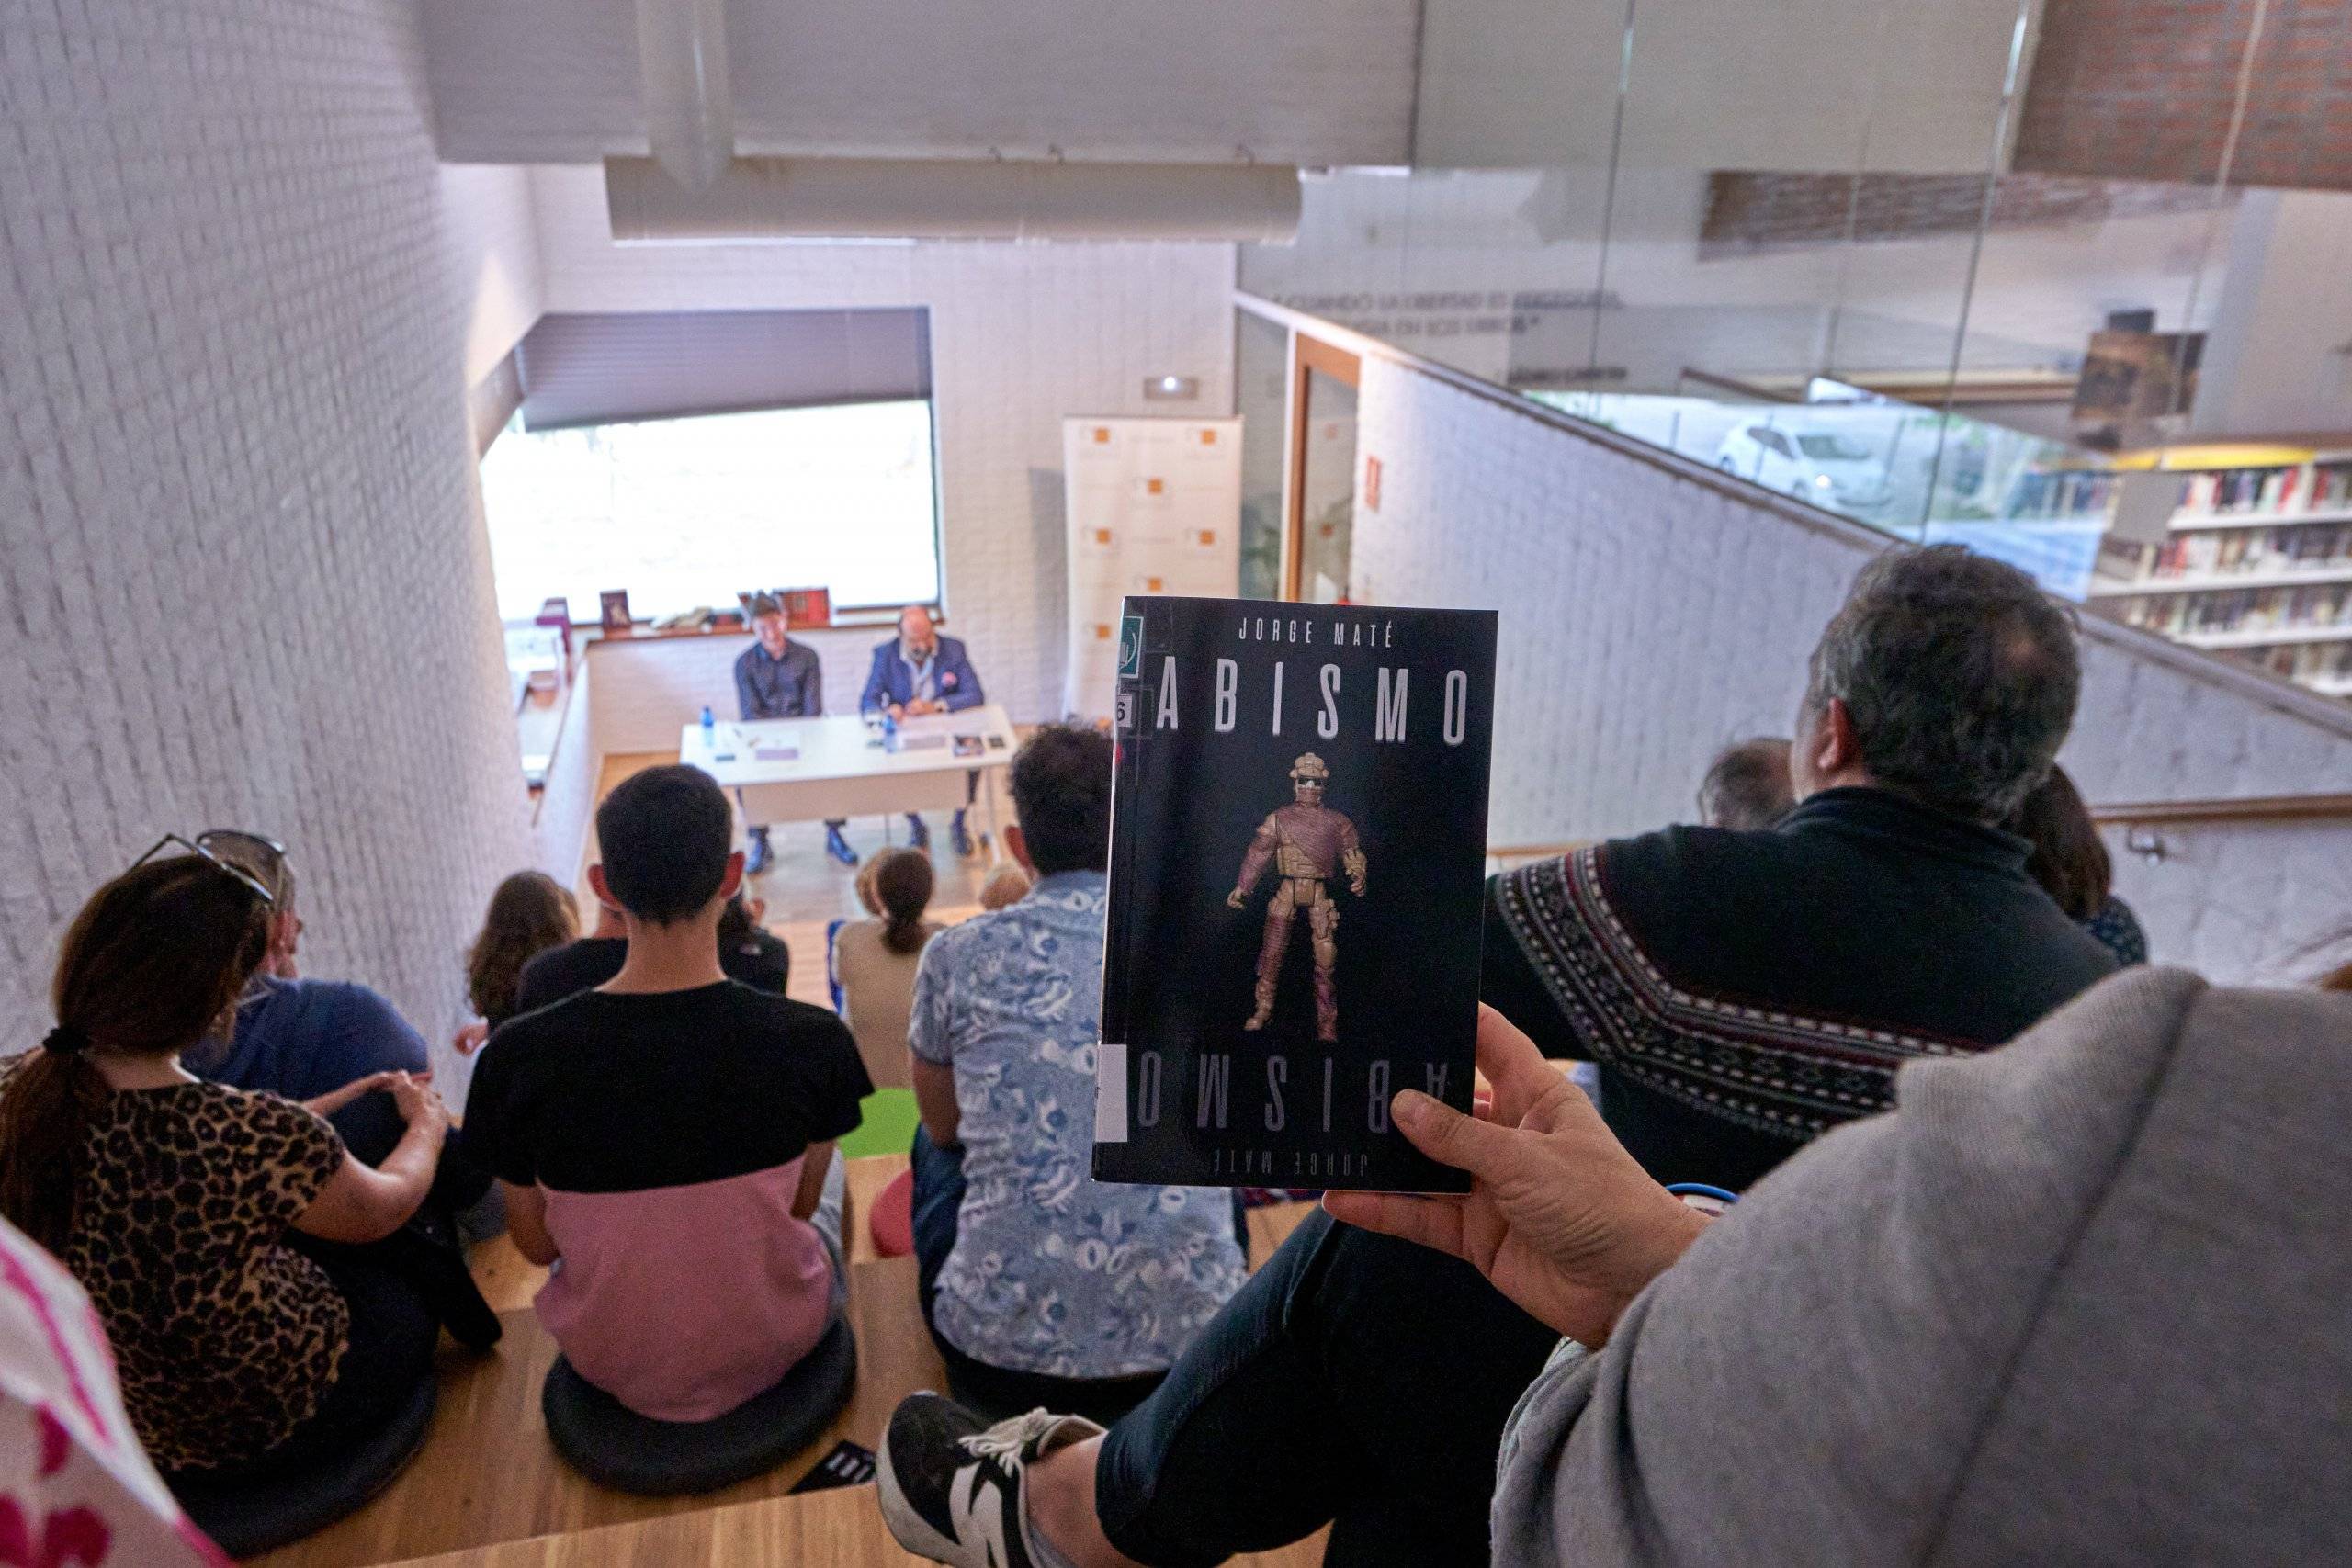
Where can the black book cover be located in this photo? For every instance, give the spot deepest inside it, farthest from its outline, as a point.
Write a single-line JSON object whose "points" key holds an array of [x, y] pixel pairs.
{"points": [[1298, 840]]}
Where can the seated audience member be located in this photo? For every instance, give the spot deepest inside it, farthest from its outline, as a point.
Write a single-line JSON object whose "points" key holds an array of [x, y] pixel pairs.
{"points": [[669, 1135], [1007, 885], [748, 950], [1747, 785], [302, 1038], [1040, 1284], [530, 913], [778, 678], [2071, 863], [2068, 1302], [86, 1484], [917, 672], [759, 959], [875, 962], [176, 1202], [1741, 992]]}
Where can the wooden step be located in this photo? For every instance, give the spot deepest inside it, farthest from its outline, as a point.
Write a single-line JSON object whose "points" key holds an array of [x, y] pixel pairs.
{"points": [[487, 1474], [840, 1528]]}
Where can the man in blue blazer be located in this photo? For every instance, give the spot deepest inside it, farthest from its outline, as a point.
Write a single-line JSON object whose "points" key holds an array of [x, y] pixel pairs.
{"points": [[920, 671]]}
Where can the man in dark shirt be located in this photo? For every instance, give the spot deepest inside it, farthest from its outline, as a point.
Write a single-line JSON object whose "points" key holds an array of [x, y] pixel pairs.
{"points": [[303, 1038], [669, 1135], [1741, 991], [746, 951], [778, 678]]}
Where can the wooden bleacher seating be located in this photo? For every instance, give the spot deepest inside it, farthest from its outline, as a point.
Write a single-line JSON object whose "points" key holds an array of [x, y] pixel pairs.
{"points": [[488, 1490]]}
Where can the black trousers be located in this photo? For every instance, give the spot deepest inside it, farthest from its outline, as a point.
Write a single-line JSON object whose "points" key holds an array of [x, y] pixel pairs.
{"points": [[1357, 1380]]}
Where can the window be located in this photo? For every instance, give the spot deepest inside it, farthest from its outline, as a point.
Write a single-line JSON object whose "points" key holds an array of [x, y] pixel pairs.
{"points": [[688, 512], [1832, 449], [1773, 441]]}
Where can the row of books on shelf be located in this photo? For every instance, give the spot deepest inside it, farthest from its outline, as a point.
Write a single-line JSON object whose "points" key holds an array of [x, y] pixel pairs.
{"points": [[2254, 550], [2291, 487], [2242, 610], [2326, 665], [2067, 492]]}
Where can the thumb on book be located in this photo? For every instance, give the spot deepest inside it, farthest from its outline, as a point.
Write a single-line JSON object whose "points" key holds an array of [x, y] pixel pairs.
{"points": [[1445, 1134]]}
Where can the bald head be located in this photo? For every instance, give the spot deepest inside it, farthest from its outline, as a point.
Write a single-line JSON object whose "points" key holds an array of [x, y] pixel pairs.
{"points": [[916, 630]]}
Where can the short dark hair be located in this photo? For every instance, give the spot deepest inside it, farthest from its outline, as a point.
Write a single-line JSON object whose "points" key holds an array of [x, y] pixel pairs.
{"points": [[1960, 676], [2068, 860], [1061, 792], [1747, 785], [665, 835], [763, 605]]}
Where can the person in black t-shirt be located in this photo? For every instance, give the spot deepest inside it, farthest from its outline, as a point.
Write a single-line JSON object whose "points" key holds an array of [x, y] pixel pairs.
{"points": [[747, 952], [669, 1134]]}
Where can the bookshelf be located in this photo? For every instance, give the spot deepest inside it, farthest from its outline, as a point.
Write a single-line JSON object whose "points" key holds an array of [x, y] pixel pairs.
{"points": [[2256, 563]]}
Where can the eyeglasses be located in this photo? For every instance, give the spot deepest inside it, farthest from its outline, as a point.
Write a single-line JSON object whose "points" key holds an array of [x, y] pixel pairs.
{"points": [[196, 847], [237, 844]]}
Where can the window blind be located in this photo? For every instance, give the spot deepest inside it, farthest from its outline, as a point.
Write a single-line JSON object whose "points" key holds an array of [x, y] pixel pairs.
{"points": [[612, 368]]}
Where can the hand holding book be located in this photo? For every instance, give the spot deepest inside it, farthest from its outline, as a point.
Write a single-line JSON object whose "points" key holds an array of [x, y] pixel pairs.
{"points": [[1559, 1217]]}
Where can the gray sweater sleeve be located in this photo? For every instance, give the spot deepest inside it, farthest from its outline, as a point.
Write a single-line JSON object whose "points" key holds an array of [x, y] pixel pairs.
{"points": [[1812, 1383]]}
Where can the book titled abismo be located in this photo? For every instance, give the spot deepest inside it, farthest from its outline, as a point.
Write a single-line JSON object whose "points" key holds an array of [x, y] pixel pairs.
{"points": [[1298, 833]]}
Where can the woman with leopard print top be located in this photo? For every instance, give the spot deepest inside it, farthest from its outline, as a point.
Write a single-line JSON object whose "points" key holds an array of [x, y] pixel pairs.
{"points": [[193, 1212]]}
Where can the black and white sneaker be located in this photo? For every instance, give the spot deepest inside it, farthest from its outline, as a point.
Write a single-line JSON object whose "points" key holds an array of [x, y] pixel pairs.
{"points": [[954, 1488]]}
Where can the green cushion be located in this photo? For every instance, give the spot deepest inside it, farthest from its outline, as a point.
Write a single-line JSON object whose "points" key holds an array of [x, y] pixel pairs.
{"points": [[888, 1127]]}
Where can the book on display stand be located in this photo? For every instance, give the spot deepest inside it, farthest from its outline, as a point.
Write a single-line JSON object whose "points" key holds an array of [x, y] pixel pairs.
{"points": [[1298, 840]]}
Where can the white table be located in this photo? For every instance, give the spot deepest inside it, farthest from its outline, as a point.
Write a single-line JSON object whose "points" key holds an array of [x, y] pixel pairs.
{"points": [[828, 767]]}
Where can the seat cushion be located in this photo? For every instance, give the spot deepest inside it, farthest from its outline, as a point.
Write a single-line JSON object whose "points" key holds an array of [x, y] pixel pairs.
{"points": [[616, 1447], [892, 1219], [246, 1518]]}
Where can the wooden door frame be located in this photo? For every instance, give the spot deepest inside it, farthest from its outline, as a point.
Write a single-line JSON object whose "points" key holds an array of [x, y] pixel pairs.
{"points": [[1306, 354]]}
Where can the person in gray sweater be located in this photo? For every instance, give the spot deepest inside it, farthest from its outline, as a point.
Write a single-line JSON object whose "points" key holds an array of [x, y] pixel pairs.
{"points": [[2079, 1301]]}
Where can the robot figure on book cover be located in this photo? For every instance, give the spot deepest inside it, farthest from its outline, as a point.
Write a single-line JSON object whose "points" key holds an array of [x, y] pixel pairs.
{"points": [[1309, 845]]}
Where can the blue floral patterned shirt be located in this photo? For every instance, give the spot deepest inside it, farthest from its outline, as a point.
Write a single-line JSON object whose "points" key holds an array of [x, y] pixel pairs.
{"points": [[1053, 1272]]}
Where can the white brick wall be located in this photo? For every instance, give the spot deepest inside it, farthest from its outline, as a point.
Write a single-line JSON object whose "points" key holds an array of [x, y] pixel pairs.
{"points": [[245, 578], [1019, 336], [1650, 614]]}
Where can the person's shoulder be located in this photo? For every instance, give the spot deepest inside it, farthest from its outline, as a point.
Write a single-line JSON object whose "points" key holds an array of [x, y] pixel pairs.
{"points": [[743, 660], [348, 997], [781, 1018], [559, 1025], [970, 935], [883, 650]]}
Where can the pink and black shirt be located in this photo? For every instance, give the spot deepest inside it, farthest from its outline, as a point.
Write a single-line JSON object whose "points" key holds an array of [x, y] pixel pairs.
{"points": [[668, 1132]]}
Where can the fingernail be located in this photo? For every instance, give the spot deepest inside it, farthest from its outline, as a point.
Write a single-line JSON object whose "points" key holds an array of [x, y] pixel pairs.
{"points": [[1411, 1105]]}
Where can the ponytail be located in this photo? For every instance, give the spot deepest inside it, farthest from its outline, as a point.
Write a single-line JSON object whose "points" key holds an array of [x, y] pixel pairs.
{"points": [[53, 1099], [902, 884], [153, 962]]}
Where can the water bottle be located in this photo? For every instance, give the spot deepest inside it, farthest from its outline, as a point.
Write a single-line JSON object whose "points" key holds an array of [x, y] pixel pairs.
{"points": [[709, 730]]}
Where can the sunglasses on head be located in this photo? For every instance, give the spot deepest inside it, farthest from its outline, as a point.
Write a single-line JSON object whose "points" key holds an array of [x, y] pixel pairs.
{"points": [[196, 847]]}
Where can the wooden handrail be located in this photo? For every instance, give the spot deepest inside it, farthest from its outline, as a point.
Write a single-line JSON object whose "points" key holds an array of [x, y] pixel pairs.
{"points": [[2246, 808]]}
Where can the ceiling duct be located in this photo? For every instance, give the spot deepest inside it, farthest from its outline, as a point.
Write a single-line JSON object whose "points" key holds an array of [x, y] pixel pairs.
{"points": [[689, 106], [909, 198]]}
